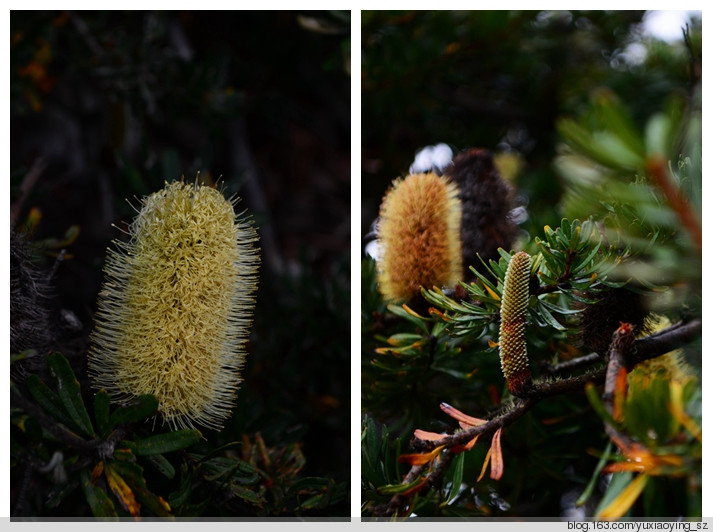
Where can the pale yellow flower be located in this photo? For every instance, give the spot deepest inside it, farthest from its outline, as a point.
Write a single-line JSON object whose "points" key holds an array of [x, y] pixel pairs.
{"points": [[176, 306]]}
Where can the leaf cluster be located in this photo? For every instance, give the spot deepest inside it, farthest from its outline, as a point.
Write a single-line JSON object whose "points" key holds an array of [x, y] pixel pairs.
{"points": [[571, 265], [114, 461]]}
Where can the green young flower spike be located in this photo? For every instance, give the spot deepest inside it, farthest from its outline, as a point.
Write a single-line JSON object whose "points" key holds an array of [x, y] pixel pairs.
{"points": [[513, 313], [175, 309]]}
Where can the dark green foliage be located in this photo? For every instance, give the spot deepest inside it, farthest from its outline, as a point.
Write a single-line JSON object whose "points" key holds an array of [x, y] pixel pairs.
{"points": [[127, 453], [112, 453]]}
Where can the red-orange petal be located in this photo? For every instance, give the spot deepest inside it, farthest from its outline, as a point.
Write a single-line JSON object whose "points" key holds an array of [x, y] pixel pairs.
{"points": [[420, 458], [460, 416], [497, 466]]}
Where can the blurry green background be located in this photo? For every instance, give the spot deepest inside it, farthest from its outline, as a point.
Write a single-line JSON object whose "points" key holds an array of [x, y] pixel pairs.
{"points": [[106, 106]]}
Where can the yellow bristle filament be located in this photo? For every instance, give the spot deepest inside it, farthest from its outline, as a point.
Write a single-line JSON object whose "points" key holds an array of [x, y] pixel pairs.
{"points": [[419, 234], [175, 310], [513, 314]]}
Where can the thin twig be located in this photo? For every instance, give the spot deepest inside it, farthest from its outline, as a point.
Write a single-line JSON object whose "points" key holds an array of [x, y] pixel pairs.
{"points": [[622, 352], [571, 365], [619, 351]]}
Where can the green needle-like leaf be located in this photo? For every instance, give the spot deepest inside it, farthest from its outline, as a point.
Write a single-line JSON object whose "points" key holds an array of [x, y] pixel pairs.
{"points": [[584, 497], [457, 477]]}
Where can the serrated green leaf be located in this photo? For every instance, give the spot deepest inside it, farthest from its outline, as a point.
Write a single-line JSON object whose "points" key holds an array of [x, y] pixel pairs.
{"points": [[581, 284], [586, 301], [70, 393], [163, 465], [47, 399], [98, 499], [165, 443], [137, 410], [385, 366], [124, 455], [102, 404]]}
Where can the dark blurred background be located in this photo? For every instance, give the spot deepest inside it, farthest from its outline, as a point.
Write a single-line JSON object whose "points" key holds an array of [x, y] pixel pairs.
{"points": [[106, 106]]}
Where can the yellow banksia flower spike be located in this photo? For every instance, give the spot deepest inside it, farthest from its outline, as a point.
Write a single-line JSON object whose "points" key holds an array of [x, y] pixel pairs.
{"points": [[419, 233], [176, 306], [513, 315]]}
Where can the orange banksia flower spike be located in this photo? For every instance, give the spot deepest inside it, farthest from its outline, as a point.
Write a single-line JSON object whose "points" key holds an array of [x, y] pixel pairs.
{"points": [[176, 306], [419, 233]]}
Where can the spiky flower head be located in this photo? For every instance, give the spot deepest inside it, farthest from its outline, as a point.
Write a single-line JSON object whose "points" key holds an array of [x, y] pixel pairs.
{"points": [[176, 306], [419, 236], [513, 317]]}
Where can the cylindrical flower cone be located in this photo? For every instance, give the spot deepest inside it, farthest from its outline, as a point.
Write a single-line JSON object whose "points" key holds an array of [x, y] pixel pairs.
{"points": [[513, 319], [176, 306], [419, 237]]}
